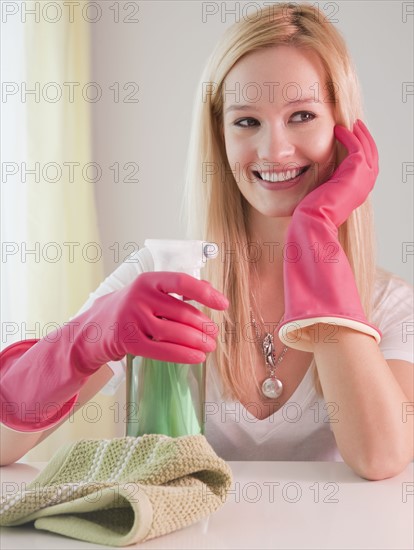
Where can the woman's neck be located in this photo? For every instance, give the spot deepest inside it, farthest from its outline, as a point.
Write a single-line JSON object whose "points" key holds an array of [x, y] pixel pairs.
{"points": [[269, 238]]}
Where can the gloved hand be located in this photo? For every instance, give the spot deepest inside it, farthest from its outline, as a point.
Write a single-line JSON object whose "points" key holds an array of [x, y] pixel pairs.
{"points": [[319, 285], [40, 379]]}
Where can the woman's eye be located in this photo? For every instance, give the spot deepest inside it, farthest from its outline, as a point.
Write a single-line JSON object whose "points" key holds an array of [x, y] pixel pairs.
{"points": [[237, 123], [303, 116]]}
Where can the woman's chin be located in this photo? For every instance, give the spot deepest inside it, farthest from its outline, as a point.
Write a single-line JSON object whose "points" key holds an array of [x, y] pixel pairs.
{"points": [[286, 212]]}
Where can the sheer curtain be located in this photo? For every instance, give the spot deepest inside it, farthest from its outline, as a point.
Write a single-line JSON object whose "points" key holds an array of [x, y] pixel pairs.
{"points": [[49, 231]]}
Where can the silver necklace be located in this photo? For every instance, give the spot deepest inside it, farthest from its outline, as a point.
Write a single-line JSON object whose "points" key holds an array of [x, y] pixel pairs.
{"points": [[272, 387]]}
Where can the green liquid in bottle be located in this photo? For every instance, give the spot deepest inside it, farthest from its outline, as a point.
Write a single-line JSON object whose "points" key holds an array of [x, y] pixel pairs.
{"points": [[164, 398]]}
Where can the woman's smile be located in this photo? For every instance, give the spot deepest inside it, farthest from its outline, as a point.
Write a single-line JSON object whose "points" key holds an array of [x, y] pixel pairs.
{"points": [[278, 181]]}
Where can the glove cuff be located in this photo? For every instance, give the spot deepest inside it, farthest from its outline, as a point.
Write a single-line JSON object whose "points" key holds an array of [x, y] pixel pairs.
{"points": [[18, 415], [290, 331]]}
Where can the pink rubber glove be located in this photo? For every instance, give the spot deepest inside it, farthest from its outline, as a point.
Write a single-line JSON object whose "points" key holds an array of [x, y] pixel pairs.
{"points": [[320, 285], [40, 379]]}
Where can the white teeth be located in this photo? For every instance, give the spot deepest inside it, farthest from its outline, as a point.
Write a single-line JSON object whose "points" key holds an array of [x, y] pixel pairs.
{"points": [[283, 176]]}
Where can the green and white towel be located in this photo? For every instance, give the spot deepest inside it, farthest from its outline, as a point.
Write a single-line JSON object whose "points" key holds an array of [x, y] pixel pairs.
{"points": [[124, 490]]}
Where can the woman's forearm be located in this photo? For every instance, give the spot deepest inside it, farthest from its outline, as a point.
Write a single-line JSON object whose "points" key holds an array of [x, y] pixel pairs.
{"points": [[368, 425], [15, 444]]}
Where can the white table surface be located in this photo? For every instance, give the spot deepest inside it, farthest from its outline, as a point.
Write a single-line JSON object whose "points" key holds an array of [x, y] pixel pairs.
{"points": [[272, 505]]}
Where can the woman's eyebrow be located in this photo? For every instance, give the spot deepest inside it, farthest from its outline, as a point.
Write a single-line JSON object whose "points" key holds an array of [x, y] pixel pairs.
{"points": [[310, 99], [246, 107]]}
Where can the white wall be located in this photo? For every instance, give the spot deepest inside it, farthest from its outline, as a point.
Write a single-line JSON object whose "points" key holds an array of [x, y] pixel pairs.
{"points": [[164, 53]]}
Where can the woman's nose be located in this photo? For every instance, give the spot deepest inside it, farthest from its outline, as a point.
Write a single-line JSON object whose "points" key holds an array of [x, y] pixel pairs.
{"points": [[276, 145]]}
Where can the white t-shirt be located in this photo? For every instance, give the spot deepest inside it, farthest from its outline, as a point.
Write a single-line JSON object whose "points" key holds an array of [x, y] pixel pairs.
{"points": [[302, 428]]}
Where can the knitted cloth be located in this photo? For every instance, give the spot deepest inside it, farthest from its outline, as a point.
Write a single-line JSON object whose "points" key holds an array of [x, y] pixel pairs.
{"points": [[124, 490]]}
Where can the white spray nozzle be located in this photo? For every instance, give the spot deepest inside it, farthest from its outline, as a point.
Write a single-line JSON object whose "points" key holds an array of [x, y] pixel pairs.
{"points": [[185, 256]]}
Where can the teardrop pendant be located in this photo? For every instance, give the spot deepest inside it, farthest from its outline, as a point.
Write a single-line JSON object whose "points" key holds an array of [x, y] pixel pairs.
{"points": [[272, 388]]}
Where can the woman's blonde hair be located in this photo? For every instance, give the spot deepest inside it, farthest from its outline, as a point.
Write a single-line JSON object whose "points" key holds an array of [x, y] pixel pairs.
{"points": [[215, 208]]}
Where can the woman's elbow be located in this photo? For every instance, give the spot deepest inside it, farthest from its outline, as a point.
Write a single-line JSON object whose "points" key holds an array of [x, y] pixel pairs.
{"points": [[377, 470]]}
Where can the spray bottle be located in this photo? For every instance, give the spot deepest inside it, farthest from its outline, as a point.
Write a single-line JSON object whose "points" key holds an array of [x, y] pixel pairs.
{"points": [[168, 398]]}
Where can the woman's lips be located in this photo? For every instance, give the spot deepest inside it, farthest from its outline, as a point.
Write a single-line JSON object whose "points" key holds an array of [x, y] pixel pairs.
{"points": [[280, 185]]}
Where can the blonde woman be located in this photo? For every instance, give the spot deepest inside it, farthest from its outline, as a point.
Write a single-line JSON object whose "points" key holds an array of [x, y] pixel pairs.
{"points": [[307, 361]]}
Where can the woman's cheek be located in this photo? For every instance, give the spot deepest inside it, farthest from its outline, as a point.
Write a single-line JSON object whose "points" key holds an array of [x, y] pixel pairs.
{"points": [[323, 142], [238, 159], [324, 147], [234, 161], [233, 147]]}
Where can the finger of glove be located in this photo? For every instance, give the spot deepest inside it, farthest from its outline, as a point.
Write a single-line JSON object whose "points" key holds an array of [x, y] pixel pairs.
{"points": [[371, 148], [172, 353], [179, 311], [193, 289], [164, 330], [347, 138], [365, 144]]}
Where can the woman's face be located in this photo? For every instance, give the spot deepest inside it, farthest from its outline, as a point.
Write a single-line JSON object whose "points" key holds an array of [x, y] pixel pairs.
{"points": [[277, 120]]}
